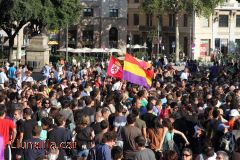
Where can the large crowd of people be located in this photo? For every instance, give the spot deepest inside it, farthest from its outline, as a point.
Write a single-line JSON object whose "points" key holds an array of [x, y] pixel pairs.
{"points": [[78, 112]]}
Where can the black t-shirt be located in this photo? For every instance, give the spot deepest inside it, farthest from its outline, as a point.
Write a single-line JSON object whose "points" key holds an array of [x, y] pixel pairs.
{"points": [[84, 138], [148, 118], [96, 127], [34, 153], [20, 129], [59, 135], [27, 128]]}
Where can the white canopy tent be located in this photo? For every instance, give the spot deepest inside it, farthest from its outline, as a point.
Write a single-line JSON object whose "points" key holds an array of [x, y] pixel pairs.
{"points": [[114, 50], [65, 49]]}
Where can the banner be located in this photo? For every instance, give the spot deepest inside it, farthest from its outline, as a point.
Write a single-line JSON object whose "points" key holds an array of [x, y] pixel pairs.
{"points": [[115, 69]]}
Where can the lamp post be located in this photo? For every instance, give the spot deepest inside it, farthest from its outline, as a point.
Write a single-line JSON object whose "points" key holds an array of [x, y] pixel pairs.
{"points": [[130, 43]]}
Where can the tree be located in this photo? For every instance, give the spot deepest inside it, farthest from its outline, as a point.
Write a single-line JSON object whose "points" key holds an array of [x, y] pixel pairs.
{"points": [[41, 14], [198, 7]]}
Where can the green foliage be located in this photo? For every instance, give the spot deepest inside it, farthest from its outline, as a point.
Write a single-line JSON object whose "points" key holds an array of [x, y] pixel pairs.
{"points": [[42, 15]]}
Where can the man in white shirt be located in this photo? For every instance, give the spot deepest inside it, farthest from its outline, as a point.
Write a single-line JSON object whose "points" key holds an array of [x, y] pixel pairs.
{"points": [[185, 74], [117, 85], [3, 78]]}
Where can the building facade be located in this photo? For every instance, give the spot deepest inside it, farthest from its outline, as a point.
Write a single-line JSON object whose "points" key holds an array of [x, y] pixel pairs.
{"points": [[199, 37], [218, 33], [103, 24]]}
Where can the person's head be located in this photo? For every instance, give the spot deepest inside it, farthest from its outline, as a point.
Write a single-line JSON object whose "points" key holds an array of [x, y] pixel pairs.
{"points": [[119, 108], [105, 113], [136, 103], [167, 123], [136, 112], [46, 123], [131, 119], [17, 114], [140, 141], [156, 123], [27, 112], [222, 155], [2, 111], [36, 130], [88, 101], [117, 153], [104, 124], [150, 106], [60, 120], [109, 138], [84, 120], [171, 155], [187, 154]]}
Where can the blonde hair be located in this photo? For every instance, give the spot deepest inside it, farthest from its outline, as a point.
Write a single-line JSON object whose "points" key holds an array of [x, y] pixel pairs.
{"points": [[85, 120]]}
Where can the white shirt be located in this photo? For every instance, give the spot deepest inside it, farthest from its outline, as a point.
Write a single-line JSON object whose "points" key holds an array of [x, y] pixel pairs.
{"points": [[116, 86], [3, 77], [28, 79], [184, 75]]}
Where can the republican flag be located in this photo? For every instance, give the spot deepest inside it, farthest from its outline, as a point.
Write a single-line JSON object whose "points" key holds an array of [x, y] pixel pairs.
{"points": [[134, 72], [115, 69]]}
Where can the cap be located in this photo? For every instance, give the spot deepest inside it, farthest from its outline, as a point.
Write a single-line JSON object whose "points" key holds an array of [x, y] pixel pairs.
{"points": [[234, 113], [221, 127]]}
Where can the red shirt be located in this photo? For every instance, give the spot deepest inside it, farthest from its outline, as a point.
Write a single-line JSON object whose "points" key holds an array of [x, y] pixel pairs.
{"points": [[5, 126]]}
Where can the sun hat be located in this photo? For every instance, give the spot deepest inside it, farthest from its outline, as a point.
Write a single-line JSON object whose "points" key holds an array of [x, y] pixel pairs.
{"points": [[234, 113]]}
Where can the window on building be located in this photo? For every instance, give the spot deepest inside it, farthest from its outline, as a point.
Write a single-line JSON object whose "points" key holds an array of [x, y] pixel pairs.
{"points": [[88, 12], [171, 18], [237, 42], [87, 35], [136, 39], [238, 21], [185, 48], [224, 46], [136, 19], [205, 22], [136, 1], [149, 19], [223, 20], [113, 12], [185, 20]]}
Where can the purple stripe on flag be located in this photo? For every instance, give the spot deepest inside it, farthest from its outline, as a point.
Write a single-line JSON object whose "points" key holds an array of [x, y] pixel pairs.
{"points": [[135, 79]]}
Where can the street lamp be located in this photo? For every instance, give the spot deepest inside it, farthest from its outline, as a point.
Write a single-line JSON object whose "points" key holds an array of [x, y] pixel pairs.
{"points": [[130, 43]]}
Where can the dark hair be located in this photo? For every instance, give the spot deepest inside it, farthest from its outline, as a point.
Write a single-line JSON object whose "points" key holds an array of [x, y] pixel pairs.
{"points": [[109, 136], [167, 123], [36, 130], [27, 111], [135, 111], [59, 119], [104, 124], [88, 100], [47, 121], [215, 113], [149, 106], [131, 118], [140, 93], [156, 124], [171, 155], [140, 141], [116, 152], [2, 110], [119, 108]]}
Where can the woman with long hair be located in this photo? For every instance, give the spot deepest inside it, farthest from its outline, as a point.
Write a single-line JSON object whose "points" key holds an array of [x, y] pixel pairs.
{"points": [[155, 135], [168, 133]]}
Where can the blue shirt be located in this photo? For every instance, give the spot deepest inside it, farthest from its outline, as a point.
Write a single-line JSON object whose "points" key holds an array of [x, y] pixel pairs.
{"points": [[11, 72], [103, 152]]}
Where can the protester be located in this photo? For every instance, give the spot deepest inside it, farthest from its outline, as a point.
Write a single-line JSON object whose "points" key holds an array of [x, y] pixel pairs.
{"points": [[101, 115]]}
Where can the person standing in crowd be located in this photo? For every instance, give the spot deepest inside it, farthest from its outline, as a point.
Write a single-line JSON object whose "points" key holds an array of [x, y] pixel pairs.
{"points": [[7, 125], [143, 153], [129, 133], [31, 152], [103, 150], [3, 78], [12, 71]]}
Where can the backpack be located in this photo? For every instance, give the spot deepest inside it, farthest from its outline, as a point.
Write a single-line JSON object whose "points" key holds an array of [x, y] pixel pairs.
{"points": [[92, 154], [227, 142]]}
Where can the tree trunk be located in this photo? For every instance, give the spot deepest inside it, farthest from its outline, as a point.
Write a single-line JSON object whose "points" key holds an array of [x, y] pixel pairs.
{"points": [[11, 44], [177, 37]]}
